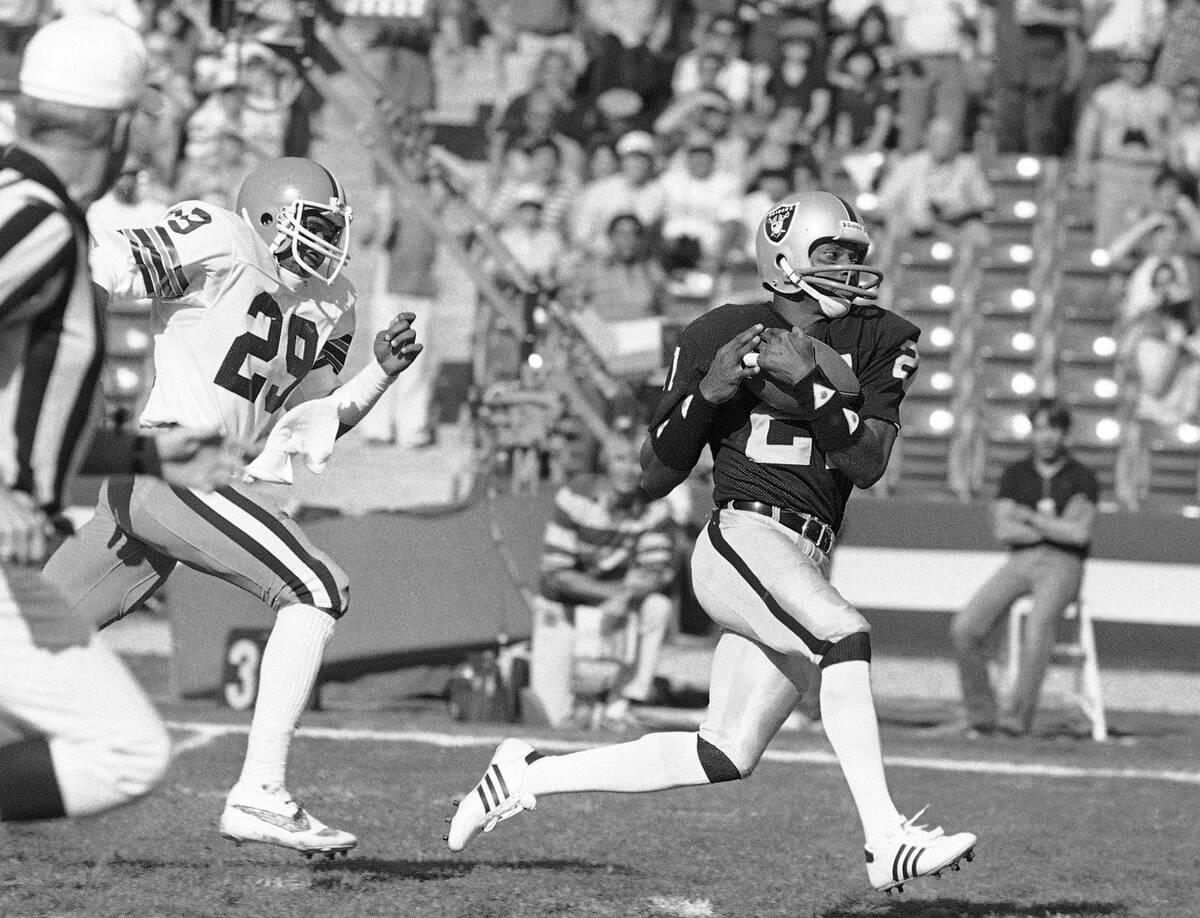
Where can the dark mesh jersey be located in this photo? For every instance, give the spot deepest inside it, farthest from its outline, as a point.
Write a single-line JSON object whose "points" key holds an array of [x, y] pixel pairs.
{"points": [[758, 453]]}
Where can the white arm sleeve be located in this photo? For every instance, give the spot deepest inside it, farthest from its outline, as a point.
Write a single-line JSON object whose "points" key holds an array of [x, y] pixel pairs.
{"points": [[354, 398]]}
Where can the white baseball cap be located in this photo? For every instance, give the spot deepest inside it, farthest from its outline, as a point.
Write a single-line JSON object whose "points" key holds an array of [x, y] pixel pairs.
{"points": [[85, 59]]}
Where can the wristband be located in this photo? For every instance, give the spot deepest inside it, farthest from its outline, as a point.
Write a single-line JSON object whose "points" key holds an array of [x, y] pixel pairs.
{"points": [[679, 440], [837, 430]]}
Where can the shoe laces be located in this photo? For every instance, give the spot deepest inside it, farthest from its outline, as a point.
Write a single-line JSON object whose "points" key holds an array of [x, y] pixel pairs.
{"points": [[285, 797], [516, 802], [912, 833]]}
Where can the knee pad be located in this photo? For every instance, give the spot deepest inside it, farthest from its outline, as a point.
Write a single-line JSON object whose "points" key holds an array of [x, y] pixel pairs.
{"points": [[716, 764], [856, 646]]}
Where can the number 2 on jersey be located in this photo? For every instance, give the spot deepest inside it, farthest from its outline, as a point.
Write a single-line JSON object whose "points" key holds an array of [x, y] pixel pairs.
{"points": [[301, 331], [777, 441]]}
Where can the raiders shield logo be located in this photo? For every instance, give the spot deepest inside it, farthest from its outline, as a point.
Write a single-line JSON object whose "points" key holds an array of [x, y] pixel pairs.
{"points": [[779, 221]]}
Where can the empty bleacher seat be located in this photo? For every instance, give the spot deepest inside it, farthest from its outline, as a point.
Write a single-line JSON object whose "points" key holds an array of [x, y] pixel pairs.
{"points": [[1172, 466], [1089, 386], [923, 287], [1095, 441], [1004, 438]]}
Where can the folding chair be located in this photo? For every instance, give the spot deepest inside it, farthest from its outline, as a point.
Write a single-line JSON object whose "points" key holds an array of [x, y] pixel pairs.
{"points": [[1080, 653]]}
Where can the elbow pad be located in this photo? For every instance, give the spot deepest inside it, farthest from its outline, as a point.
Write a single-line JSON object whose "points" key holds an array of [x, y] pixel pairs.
{"points": [[679, 440]]}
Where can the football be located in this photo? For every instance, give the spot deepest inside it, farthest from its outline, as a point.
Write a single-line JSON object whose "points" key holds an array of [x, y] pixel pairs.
{"points": [[834, 386]]}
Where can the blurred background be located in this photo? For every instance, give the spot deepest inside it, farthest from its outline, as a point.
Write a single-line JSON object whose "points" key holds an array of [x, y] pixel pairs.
{"points": [[557, 187]]}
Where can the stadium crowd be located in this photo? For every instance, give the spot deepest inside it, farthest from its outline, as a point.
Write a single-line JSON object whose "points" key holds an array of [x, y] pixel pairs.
{"points": [[632, 146]]}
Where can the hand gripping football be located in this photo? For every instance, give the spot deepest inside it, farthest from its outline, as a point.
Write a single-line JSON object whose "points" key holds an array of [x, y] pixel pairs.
{"points": [[830, 386]]}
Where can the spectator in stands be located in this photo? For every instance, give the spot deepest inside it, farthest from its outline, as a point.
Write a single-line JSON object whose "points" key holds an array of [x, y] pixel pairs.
{"points": [[614, 114], [1183, 138], [708, 113], [133, 200], [940, 189], [602, 161], [18, 22], [798, 83], [1179, 58], [767, 187], [606, 567], [632, 190], [544, 171], [1043, 512], [620, 58], [1111, 26], [215, 176], [933, 45], [1122, 141], [1158, 327], [701, 210], [537, 246], [1174, 195], [624, 284], [1038, 62], [271, 86], [735, 77], [526, 31], [863, 105], [554, 81], [508, 155]]}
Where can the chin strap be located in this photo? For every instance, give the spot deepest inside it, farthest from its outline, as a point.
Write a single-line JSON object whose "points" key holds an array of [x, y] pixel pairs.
{"points": [[832, 308]]}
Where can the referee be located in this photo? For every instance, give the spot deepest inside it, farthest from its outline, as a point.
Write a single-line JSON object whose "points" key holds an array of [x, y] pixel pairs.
{"points": [[93, 741]]}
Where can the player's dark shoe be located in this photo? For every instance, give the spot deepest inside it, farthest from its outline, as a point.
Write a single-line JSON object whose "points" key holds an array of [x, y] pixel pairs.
{"points": [[498, 796], [913, 851], [268, 814]]}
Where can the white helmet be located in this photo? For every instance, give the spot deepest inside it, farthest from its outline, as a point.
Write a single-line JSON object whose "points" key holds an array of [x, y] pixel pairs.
{"points": [[785, 242], [85, 59]]}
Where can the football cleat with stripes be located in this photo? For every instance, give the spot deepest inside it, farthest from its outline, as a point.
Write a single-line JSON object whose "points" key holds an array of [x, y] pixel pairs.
{"points": [[269, 815], [914, 851], [498, 796]]}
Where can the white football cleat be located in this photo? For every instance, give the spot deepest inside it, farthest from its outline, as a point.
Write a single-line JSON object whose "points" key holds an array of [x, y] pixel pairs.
{"points": [[913, 851], [498, 796], [269, 815]]}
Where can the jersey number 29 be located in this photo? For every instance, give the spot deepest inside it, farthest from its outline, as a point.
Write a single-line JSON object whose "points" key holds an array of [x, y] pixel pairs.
{"points": [[300, 353]]}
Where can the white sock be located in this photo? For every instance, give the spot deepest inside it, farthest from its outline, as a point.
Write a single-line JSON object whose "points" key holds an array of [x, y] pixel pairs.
{"points": [[285, 682], [656, 761], [848, 715]]}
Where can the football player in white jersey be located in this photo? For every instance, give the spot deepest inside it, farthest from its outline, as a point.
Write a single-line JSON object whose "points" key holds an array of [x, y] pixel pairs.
{"points": [[252, 316]]}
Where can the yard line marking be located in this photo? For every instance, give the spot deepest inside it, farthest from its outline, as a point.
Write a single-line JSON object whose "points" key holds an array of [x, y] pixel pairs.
{"points": [[201, 736], [679, 907], [808, 757]]}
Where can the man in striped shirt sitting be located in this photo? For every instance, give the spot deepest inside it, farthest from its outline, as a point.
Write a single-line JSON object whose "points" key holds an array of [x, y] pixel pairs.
{"points": [[607, 563]]}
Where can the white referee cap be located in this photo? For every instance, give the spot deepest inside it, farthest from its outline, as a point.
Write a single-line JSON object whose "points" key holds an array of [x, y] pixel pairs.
{"points": [[85, 59]]}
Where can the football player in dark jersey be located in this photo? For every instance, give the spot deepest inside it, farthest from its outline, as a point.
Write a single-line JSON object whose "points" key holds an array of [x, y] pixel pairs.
{"points": [[798, 398]]}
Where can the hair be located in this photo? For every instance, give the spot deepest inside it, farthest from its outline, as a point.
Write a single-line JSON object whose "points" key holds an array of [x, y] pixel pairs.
{"points": [[59, 124], [544, 142], [1056, 413], [638, 225], [874, 11], [1187, 183]]}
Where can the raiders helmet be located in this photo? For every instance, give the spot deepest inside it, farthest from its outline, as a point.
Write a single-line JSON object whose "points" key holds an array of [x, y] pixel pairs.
{"points": [[299, 209], [790, 232]]}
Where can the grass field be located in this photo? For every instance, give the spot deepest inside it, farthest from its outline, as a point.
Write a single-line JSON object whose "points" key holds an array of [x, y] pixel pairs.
{"points": [[1067, 828]]}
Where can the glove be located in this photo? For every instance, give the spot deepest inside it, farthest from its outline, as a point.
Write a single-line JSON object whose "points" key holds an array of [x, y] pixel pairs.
{"points": [[309, 431]]}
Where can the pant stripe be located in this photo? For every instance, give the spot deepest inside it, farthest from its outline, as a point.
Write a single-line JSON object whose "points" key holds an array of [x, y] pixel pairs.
{"points": [[727, 551], [244, 539], [316, 565]]}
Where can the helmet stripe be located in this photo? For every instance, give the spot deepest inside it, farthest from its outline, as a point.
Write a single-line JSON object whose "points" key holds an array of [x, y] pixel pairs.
{"points": [[337, 186], [851, 213]]}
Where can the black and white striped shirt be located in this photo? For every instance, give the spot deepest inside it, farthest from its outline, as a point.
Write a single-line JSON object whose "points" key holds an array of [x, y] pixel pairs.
{"points": [[51, 330]]}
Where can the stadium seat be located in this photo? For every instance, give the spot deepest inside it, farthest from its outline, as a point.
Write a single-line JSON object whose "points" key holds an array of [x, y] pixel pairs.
{"points": [[1015, 168], [926, 251], [1004, 438], [1079, 653], [1083, 342], [923, 287], [1088, 386], [924, 450], [1005, 289], [1096, 441], [934, 379], [1085, 293], [1172, 466]]}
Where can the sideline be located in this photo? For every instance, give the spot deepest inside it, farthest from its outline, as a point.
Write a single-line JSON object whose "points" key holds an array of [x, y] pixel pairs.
{"points": [[204, 733]]}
